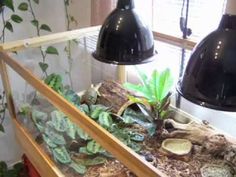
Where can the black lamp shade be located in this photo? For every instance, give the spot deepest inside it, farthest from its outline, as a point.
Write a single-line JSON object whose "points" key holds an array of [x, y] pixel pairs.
{"points": [[210, 76], [124, 39]]}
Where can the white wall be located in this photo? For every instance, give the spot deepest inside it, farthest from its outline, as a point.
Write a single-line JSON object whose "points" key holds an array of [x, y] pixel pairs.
{"points": [[51, 13]]}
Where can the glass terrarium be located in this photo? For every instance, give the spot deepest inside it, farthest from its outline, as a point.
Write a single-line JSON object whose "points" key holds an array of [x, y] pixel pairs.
{"points": [[73, 117]]}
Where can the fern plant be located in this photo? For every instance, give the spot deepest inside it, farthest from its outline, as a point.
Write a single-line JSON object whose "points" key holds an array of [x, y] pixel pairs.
{"points": [[154, 91]]}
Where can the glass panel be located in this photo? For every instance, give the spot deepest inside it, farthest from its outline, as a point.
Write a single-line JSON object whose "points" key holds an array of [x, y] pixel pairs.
{"points": [[139, 126]]}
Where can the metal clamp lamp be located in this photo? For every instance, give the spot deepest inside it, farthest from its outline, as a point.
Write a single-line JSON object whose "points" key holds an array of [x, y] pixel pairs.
{"points": [[124, 39], [210, 76]]}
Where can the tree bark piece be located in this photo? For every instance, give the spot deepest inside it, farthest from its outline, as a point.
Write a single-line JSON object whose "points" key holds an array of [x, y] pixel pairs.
{"points": [[212, 142], [112, 94]]}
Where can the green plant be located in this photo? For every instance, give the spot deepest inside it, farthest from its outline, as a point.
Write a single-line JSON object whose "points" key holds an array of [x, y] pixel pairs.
{"points": [[3, 108], [28, 7], [8, 23], [154, 91], [16, 171], [68, 49]]}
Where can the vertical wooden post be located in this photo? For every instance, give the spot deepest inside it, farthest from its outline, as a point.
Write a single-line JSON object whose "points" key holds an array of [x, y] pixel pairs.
{"points": [[122, 75], [7, 88]]}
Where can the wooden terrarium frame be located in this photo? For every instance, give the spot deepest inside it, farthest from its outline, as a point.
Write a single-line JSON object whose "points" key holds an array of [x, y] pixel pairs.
{"points": [[42, 162]]}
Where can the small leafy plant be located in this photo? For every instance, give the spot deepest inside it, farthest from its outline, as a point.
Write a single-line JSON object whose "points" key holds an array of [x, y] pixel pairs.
{"points": [[17, 170], [154, 91]]}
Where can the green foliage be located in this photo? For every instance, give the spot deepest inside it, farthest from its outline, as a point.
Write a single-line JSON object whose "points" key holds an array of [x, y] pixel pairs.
{"points": [[131, 116], [2, 128], [93, 147], [71, 129], [39, 116], [72, 97], [61, 155], [55, 82], [96, 110], [9, 26], [105, 120], [16, 171], [36, 1], [9, 4], [49, 142], [59, 121], [55, 137], [82, 134], [81, 169], [155, 90], [16, 18], [35, 23], [23, 6], [43, 66], [52, 50], [45, 27]]}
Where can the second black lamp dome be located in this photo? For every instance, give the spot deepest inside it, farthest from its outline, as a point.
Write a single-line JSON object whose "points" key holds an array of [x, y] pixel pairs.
{"points": [[124, 39]]}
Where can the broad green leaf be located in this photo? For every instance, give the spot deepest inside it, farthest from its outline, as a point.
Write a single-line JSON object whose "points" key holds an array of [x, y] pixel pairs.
{"points": [[43, 66], [61, 155], [59, 121], [49, 142], [82, 134], [81, 169], [144, 79], [95, 110], [136, 137], [84, 108], [45, 27], [3, 166], [36, 1], [55, 137], [141, 90], [23, 6], [39, 116], [165, 84], [134, 146], [155, 83], [71, 96], [95, 161], [9, 4], [94, 147], [9, 26], [52, 50], [122, 135], [19, 167], [16, 18], [83, 150], [10, 173], [35, 23], [105, 120], [71, 129], [2, 128]]}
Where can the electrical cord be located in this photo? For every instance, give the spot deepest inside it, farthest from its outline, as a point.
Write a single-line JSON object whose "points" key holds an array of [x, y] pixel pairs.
{"points": [[183, 20]]}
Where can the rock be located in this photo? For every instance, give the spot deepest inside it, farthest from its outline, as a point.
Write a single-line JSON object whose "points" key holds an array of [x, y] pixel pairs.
{"points": [[230, 155], [174, 146], [215, 144], [212, 170]]}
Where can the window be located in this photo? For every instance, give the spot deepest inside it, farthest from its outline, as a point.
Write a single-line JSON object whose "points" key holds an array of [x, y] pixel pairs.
{"points": [[164, 15]]}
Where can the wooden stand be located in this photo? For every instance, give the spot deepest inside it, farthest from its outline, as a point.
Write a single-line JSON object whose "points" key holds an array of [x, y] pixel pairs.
{"points": [[40, 160]]}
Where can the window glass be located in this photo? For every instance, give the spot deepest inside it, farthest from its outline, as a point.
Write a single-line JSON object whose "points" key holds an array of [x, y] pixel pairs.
{"points": [[164, 15]]}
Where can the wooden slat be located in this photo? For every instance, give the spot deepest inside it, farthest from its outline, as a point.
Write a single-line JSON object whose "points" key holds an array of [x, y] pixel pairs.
{"points": [[44, 165], [124, 154], [183, 43], [7, 88], [47, 39], [69, 35]]}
